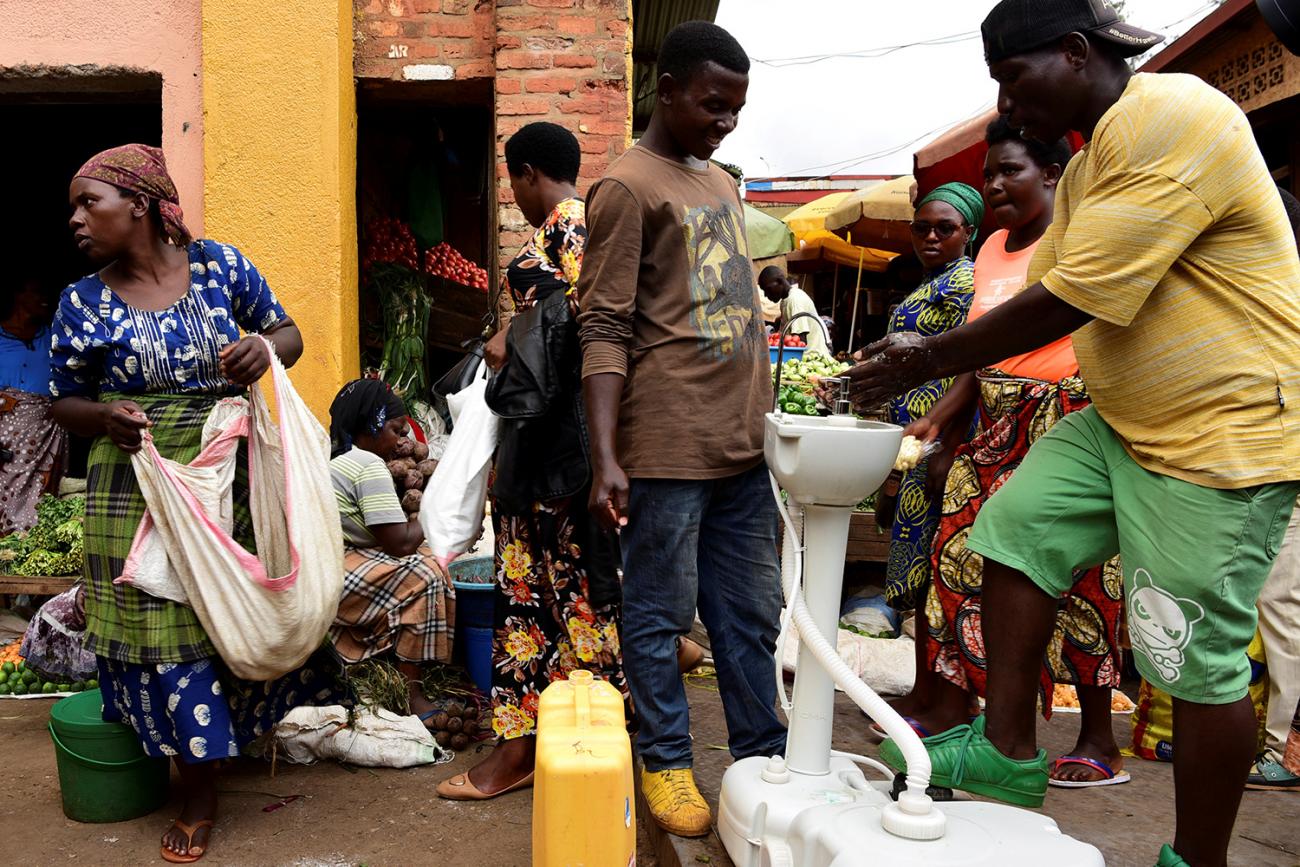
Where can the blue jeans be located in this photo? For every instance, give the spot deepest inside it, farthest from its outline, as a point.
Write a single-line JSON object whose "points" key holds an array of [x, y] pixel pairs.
{"points": [[712, 544]]}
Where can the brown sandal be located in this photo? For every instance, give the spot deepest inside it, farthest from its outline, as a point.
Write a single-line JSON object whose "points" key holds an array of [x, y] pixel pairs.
{"points": [[191, 855], [460, 788]]}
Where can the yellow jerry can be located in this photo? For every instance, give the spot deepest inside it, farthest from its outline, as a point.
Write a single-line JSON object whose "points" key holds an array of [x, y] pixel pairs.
{"points": [[583, 805]]}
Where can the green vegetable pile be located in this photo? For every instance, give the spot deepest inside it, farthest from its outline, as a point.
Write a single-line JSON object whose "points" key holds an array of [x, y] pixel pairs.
{"points": [[20, 679], [798, 376], [803, 372], [795, 402], [53, 546], [406, 308]]}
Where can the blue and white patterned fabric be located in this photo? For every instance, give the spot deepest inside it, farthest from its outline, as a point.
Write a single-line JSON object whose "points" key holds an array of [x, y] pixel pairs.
{"points": [[99, 343], [197, 712]]}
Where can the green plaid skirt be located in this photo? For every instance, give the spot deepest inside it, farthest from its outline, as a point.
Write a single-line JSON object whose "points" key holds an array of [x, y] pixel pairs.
{"points": [[123, 623]]}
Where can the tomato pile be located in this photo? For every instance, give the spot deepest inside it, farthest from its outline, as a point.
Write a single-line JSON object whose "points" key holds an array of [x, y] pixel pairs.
{"points": [[790, 340], [446, 261], [388, 240]]}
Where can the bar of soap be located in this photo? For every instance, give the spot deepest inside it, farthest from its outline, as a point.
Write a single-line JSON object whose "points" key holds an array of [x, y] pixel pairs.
{"points": [[909, 454]]}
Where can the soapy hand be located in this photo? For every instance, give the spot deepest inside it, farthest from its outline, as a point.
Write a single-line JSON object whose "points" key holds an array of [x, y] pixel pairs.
{"points": [[890, 367]]}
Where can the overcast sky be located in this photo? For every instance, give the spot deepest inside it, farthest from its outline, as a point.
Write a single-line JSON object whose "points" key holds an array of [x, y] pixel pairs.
{"points": [[843, 115]]}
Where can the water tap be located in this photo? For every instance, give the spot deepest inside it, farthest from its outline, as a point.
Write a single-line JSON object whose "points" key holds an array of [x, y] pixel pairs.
{"points": [[780, 352]]}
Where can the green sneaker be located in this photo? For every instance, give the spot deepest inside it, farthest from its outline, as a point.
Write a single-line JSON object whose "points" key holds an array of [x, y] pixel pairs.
{"points": [[963, 758], [1170, 858]]}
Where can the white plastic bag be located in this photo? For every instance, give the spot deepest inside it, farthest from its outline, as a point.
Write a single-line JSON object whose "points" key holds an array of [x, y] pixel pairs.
{"points": [[374, 740], [266, 613], [887, 665], [451, 511]]}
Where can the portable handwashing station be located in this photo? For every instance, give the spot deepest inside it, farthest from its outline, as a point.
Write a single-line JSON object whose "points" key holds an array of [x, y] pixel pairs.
{"points": [[814, 807]]}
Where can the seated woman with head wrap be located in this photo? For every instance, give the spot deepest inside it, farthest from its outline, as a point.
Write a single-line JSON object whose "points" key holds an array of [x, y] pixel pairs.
{"points": [[395, 595]]}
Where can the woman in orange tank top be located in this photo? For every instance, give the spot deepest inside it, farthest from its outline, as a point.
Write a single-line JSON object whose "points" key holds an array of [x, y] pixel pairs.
{"points": [[1016, 401]]}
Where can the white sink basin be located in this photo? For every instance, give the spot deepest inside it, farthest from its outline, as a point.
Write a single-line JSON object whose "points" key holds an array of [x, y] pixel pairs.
{"points": [[829, 461]]}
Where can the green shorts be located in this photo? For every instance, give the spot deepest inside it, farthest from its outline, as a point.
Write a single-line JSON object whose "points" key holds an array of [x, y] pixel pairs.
{"points": [[1194, 558]]}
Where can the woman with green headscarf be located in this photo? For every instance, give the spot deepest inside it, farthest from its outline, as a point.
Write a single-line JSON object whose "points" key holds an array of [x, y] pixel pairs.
{"points": [[942, 231]]}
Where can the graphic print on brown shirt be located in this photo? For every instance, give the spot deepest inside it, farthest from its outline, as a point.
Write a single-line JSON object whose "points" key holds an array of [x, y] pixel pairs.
{"points": [[669, 301]]}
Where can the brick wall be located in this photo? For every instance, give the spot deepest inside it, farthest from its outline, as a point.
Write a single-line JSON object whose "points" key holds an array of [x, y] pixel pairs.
{"points": [[424, 39], [566, 61]]}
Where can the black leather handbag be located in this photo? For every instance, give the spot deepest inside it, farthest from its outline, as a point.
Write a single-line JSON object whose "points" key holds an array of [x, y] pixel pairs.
{"points": [[540, 354]]}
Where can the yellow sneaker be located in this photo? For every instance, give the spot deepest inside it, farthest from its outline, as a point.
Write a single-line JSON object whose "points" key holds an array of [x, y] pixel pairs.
{"points": [[675, 803]]}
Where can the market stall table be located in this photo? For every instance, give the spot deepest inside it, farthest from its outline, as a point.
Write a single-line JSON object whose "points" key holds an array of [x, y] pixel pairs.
{"points": [[38, 585]]}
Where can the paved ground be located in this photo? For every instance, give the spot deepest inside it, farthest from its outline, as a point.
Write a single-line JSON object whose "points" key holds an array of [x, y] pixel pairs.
{"points": [[1128, 823], [391, 817], [381, 817]]}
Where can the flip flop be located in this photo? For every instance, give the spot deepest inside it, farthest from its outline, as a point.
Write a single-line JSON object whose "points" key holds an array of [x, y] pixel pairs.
{"points": [[190, 855], [1270, 775], [877, 732], [1110, 778], [459, 788]]}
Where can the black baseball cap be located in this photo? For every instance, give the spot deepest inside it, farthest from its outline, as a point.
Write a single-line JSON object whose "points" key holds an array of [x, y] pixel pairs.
{"points": [[1017, 26]]}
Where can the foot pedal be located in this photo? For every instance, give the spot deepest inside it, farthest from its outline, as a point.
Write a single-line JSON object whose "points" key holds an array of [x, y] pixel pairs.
{"points": [[936, 793]]}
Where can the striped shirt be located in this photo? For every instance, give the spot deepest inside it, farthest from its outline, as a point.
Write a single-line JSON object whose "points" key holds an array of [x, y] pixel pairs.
{"points": [[1170, 232], [366, 496]]}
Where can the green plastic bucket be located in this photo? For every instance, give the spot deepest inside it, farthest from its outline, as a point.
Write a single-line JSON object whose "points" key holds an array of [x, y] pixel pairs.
{"points": [[104, 774]]}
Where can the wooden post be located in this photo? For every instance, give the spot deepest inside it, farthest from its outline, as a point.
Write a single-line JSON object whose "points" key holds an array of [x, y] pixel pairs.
{"points": [[857, 292]]}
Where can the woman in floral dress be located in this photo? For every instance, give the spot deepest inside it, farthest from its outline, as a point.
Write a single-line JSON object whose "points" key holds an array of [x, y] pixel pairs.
{"points": [[556, 607]]}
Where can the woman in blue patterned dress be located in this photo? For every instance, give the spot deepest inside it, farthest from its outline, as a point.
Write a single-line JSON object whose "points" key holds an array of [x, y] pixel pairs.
{"points": [[944, 226], [152, 340]]}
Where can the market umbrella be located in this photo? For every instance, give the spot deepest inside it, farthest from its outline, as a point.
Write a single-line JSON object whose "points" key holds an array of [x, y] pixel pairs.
{"points": [[819, 248], [767, 236], [877, 216], [812, 216]]}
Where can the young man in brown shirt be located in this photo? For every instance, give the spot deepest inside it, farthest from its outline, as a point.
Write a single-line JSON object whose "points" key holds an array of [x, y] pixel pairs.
{"points": [[676, 380]]}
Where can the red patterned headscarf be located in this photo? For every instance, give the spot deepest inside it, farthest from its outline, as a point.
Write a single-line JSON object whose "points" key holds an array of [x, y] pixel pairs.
{"points": [[140, 168]]}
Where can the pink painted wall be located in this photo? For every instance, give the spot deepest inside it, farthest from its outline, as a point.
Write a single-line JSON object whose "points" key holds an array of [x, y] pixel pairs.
{"points": [[159, 36]]}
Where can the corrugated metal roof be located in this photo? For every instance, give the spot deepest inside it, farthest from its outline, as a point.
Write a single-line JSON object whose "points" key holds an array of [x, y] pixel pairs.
{"points": [[651, 21]]}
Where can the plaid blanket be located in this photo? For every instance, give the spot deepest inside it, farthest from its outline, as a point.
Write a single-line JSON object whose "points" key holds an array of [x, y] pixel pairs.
{"points": [[123, 623], [397, 603]]}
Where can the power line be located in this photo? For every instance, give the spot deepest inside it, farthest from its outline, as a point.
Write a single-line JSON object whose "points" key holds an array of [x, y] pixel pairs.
{"points": [[951, 39], [865, 53], [836, 166], [839, 165]]}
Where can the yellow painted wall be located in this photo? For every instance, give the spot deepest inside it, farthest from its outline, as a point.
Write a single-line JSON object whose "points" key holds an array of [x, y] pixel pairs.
{"points": [[279, 153]]}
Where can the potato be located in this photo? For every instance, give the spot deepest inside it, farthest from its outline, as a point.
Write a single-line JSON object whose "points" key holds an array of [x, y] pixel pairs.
{"points": [[470, 728], [421, 451], [455, 724], [459, 742], [443, 739], [413, 480], [405, 447], [472, 712], [426, 467], [455, 708], [397, 469], [439, 720], [411, 501]]}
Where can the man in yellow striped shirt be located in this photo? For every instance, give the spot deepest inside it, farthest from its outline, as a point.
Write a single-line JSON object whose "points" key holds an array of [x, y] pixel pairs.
{"points": [[1172, 263]]}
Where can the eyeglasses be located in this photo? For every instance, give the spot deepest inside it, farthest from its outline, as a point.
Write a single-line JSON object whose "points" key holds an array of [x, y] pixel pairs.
{"points": [[945, 230]]}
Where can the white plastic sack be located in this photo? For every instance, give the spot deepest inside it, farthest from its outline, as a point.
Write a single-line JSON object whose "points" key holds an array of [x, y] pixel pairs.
{"points": [[266, 613], [887, 665], [382, 740], [210, 478], [451, 510]]}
